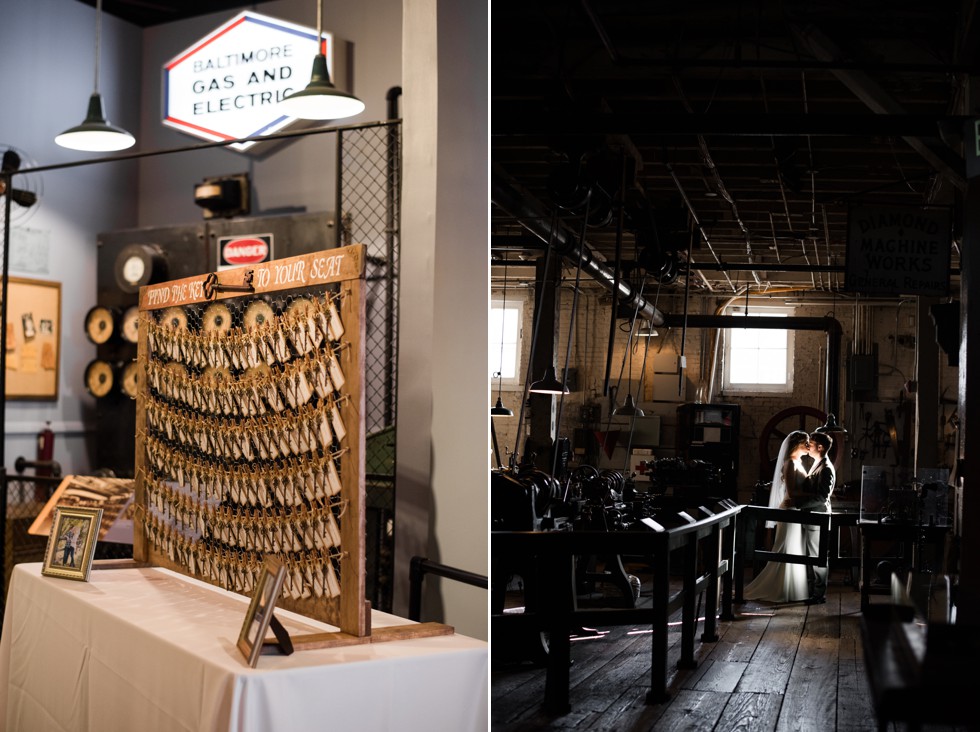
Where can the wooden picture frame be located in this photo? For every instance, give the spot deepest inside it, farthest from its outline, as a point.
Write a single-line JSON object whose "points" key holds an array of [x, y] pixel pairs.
{"points": [[32, 337], [71, 543], [259, 614]]}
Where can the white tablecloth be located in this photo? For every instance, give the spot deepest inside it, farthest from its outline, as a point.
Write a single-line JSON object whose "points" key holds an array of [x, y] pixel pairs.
{"points": [[149, 649]]}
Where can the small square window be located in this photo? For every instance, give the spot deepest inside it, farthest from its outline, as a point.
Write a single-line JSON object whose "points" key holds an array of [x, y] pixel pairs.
{"points": [[759, 359], [504, 332]]}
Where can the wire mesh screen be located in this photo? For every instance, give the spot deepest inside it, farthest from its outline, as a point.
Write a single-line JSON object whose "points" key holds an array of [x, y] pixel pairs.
{"points": [[24, 496], [369, 195]]}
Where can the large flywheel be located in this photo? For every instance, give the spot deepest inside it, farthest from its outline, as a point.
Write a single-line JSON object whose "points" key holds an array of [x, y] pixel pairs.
{"points": [[781, 424]]}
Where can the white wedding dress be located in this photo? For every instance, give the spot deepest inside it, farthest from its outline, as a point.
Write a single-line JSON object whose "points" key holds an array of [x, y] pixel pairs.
{"points": [[778, 581]]}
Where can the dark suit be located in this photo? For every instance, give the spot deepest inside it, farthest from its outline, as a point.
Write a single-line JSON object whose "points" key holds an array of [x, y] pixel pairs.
{"points": [[815, 496]]}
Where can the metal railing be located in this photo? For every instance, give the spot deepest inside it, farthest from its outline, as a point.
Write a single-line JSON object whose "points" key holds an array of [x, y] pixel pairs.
{"points": [[828, 548], [420, 566], [706, 549]]}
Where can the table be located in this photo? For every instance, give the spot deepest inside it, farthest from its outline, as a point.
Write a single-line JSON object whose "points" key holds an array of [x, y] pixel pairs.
{"points": [[149, 649], [902, 536]]}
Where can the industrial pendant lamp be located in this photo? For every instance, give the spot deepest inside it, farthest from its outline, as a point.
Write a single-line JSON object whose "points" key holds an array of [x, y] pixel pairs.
{"points": [[832, 425], [321, 99], [629, 409], [95, 134], [646, 330], [499, 410], [549, 384]]}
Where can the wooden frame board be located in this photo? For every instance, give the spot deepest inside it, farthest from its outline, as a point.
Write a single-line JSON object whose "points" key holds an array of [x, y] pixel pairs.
{"points": [[345, 268], [112, 495], [32, 339]]}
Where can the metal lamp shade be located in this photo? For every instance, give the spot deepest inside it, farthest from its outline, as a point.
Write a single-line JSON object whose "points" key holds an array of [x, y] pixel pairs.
{"points": [[629, 409], [549, 384], [95, 134], [321, 99]]}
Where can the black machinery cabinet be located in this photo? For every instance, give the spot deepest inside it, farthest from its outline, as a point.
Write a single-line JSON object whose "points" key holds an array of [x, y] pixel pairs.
{"points": [[709, 432]]}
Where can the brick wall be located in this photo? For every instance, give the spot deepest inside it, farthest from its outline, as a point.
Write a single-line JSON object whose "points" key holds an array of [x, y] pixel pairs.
{"points": [[891, 327]]}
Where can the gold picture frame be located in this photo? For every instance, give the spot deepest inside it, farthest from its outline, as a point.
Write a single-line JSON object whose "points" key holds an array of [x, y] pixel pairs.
{"points": [[258, 617], [71, 543], [32, 339]]}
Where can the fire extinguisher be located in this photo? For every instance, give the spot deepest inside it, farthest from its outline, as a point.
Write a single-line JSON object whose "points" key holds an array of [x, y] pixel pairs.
{"points": [[45, 449]]}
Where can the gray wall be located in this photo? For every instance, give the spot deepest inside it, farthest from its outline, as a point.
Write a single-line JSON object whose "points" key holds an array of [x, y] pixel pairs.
{"points": [[48, 49]]}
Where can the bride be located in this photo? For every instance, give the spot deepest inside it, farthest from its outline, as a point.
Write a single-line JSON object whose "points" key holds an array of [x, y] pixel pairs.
{"points": [[779, 581]]}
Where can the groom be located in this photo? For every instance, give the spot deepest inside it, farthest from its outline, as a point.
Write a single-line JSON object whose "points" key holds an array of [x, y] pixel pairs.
{"points": [[818, 486]]}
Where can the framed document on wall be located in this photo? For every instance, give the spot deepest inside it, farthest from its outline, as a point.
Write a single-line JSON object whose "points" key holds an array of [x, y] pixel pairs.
{"points": [[32, 339]]}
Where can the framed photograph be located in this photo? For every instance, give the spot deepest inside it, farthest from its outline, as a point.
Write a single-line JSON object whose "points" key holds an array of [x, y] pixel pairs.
{"points": [[259, 614], [71, 543], [32, 339]]}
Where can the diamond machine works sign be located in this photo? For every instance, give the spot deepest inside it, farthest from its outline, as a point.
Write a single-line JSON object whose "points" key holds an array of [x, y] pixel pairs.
{"points": [[894, 250], [229, 84], [237, 251]]}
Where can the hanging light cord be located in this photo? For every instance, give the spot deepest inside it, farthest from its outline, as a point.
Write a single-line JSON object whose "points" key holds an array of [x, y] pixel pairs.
{"points": [[534, 339], [639, 388], [319, 27], [571, 330], [98, 40], [503, 315], [629, 346]]}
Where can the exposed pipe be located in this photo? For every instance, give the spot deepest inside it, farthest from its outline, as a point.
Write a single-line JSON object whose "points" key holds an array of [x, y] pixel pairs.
{"points": [[392, 186], [830, 326], [531, 214], [716, 337], [708, 162], [694, 216], [620, 214]]}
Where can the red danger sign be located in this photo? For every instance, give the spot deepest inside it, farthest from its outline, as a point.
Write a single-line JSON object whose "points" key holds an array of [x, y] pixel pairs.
{"points": [[235, 251]]}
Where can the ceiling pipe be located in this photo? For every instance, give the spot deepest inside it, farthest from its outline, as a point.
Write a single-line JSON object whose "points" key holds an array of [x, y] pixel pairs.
{"points": [[694, 216], [720, 187], [522, 117], [530, 214], [831, 326], [928, 144]]}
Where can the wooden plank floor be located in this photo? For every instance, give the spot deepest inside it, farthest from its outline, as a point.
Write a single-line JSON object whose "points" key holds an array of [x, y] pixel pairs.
{"points": [[776, 667]]}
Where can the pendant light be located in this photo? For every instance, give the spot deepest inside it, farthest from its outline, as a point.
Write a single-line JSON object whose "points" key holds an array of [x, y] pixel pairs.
{"points": [[646, 330], [832, 426], [95, 134], [321, 99], [499, 410], [549, 384], [629, 408]]}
